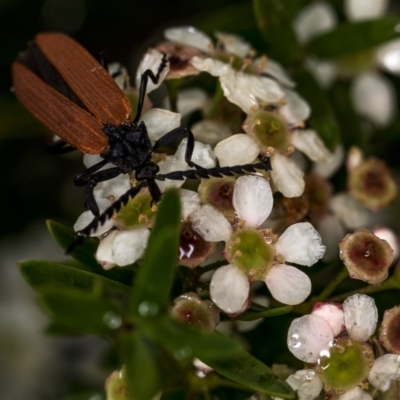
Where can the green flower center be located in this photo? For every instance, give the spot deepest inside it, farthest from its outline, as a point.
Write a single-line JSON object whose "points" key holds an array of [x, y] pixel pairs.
{"points": [[268, 129], [346, 366], [137, 212], [249, 251]]}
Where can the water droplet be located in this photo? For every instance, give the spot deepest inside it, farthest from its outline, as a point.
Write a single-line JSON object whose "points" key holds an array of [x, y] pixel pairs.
{"points": [[183, 354], [112, 320], [310, 375], [367, 254], [148, 309]]}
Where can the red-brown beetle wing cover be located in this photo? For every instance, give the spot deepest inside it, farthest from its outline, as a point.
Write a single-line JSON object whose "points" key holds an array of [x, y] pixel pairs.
{"points": [[62, 116], [86, 77]]}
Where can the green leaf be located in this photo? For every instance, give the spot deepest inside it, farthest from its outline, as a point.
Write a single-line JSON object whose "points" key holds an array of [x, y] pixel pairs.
{"points": [[84, 253], [322, 118], [44, 274], [252, 315], [349, 121], [350, 38], [154, 278], [275, 26], [221, 353], [148, 367], [82, 312]]}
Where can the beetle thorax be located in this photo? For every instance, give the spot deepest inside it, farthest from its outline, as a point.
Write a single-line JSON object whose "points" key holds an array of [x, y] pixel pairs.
{"points": [[129, 145]]}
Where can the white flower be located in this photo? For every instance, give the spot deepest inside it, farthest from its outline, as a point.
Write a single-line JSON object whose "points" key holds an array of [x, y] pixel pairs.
{"points": [[359, 318], [252, 200], [286, 175]]}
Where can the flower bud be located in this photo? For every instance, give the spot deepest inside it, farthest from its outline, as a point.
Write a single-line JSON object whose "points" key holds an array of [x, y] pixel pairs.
{"points": [[366, 257], [190, 309], [389, 333]]}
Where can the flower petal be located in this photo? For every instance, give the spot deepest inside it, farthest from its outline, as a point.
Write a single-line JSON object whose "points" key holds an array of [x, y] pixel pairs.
{"points": [[87, 217], [275, 70], [191, 99], [296, 109], [385, 370], [313, 20], [237, 150], [360, 316], [327, 167], [308, 336], [310, 144], [374, 97], [234, 44], [211, 224], [332, 314], [357, 10], [211, 132], [190, 202], [355, 394], [249, 91], [252, 199], [229, 289], [350, 211], [332, 232], [287, 176], [301, 244], [213, 67], [388, 56], [189, 36], [159, 122], [151, 60], [129, 246], [104, 251], [288, 284], [307, 383]]}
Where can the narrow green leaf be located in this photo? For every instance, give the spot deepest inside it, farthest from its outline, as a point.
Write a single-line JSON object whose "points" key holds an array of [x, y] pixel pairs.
{"points": [[149, 367], [83, 313], [84, 253], [322, 118], [44, 274], [275, 26], [355, 37], [154, 278], [349, 121], [252, 315], [221, 353]]}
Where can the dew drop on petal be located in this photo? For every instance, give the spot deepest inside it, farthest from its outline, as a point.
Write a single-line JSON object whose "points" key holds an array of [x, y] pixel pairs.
{"points": [[308, 336]]}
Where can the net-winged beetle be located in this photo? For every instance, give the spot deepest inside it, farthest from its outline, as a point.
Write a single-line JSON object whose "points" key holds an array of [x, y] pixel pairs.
{"points": [[68, 90]]}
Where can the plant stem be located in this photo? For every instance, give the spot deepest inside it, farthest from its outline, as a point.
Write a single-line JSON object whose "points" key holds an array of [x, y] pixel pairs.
{"points": [[332, 285]]}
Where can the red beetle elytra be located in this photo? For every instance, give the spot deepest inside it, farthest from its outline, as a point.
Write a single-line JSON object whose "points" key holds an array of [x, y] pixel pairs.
{"points": [[68, 90]]}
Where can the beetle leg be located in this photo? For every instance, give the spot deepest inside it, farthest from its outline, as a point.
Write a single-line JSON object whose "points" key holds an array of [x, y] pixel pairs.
{"points": [[97, 177], [105, 216], [59, 147], [143, 85], [217, 172], [176, 134], [83, 178]]}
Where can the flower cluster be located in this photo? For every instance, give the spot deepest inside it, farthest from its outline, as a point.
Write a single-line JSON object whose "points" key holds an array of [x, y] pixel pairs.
{"points": [[244, 229], [336, 341]]}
